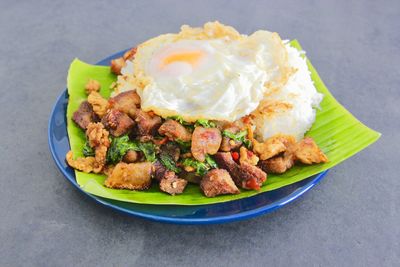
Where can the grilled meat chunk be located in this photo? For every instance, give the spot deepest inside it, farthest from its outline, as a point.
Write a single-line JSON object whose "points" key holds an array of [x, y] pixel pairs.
{"points": [[117, 122], [126, 102], [172, 184], [308, 152], [277, 164], [159, 170], [273, 146], [85, 115], [244, 175], [147, 123], [218, 182], [133, 176], [225, 161], [205, 141], [252, 177], [174, 130]]}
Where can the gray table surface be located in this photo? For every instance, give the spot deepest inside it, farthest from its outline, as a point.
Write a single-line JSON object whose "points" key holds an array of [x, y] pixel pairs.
{"points": [[351, 218]]}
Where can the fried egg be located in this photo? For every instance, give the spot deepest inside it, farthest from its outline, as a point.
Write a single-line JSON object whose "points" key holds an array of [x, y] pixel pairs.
{"points": [[208, 73]]}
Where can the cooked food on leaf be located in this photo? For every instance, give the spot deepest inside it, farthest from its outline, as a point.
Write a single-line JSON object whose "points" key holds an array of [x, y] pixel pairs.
{"points": [[207, 106]]}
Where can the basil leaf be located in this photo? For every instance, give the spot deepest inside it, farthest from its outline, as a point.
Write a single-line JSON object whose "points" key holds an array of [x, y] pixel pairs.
{"points": [[205, 123], [169, 163], [201, 168], [87, 150], [211, 162], [239, 137], [149, 151], [120, 145]]}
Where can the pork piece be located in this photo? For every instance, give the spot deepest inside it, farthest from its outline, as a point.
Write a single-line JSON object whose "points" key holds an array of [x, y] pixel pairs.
{"points": [[126, 102], [273, 146], [172, 184], [116, 65], [205, 141], [228, 144], [277, 164], [133, 176], [92, 86], [225, 161], [308, 152], [117, 122], [218, 182], [248, 156], [99, 103], [84, 115], [174, 131], [147, 123], [130, 156], [252, 176], [244, 175], [159, 170]]}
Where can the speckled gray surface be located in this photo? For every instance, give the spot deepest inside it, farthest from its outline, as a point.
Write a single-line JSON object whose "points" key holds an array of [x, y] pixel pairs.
{"points": [[351, 218]]}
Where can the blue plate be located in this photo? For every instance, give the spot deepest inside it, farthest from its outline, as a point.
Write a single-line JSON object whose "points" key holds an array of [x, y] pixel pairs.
{"points": [[203, 214]]}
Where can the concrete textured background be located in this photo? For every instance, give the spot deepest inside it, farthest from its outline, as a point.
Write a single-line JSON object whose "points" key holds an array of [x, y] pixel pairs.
{"points": [[351, 218]]}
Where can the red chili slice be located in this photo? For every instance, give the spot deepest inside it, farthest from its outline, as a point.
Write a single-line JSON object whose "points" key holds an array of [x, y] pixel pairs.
{"points": [[235, 156], [252, 184]]}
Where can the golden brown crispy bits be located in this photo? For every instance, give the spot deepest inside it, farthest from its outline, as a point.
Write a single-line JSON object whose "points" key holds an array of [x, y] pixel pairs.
{"points": [[308, 152], [92, 86], [133, 176], [273, 146], [248, 156], [116, 65], [88, 164], [99, 104], [98, 139]]}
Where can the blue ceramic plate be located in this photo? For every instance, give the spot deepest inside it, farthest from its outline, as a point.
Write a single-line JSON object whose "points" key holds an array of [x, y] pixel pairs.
{"points": [[202, 214]]}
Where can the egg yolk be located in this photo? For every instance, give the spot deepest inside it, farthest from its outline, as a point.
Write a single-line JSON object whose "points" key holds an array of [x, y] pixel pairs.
{"points": [[190, 57]]}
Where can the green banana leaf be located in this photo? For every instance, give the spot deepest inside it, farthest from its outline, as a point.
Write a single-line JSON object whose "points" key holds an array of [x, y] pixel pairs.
{"points": [[339, 134]]}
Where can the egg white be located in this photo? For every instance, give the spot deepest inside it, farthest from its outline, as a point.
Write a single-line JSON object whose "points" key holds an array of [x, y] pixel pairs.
{"points": [[225, 80]]}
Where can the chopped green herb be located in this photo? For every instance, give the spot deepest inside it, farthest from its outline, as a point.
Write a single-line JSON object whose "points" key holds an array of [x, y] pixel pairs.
{"points": [[211, 162], [149, 150], [205, 123], [120, 145], [180, 120], [87, 150], [201, 167], [239, 137], [169, 163]]}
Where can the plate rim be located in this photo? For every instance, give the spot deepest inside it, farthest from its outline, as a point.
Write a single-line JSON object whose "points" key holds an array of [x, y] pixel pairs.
{"points": [[159, 218]]}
